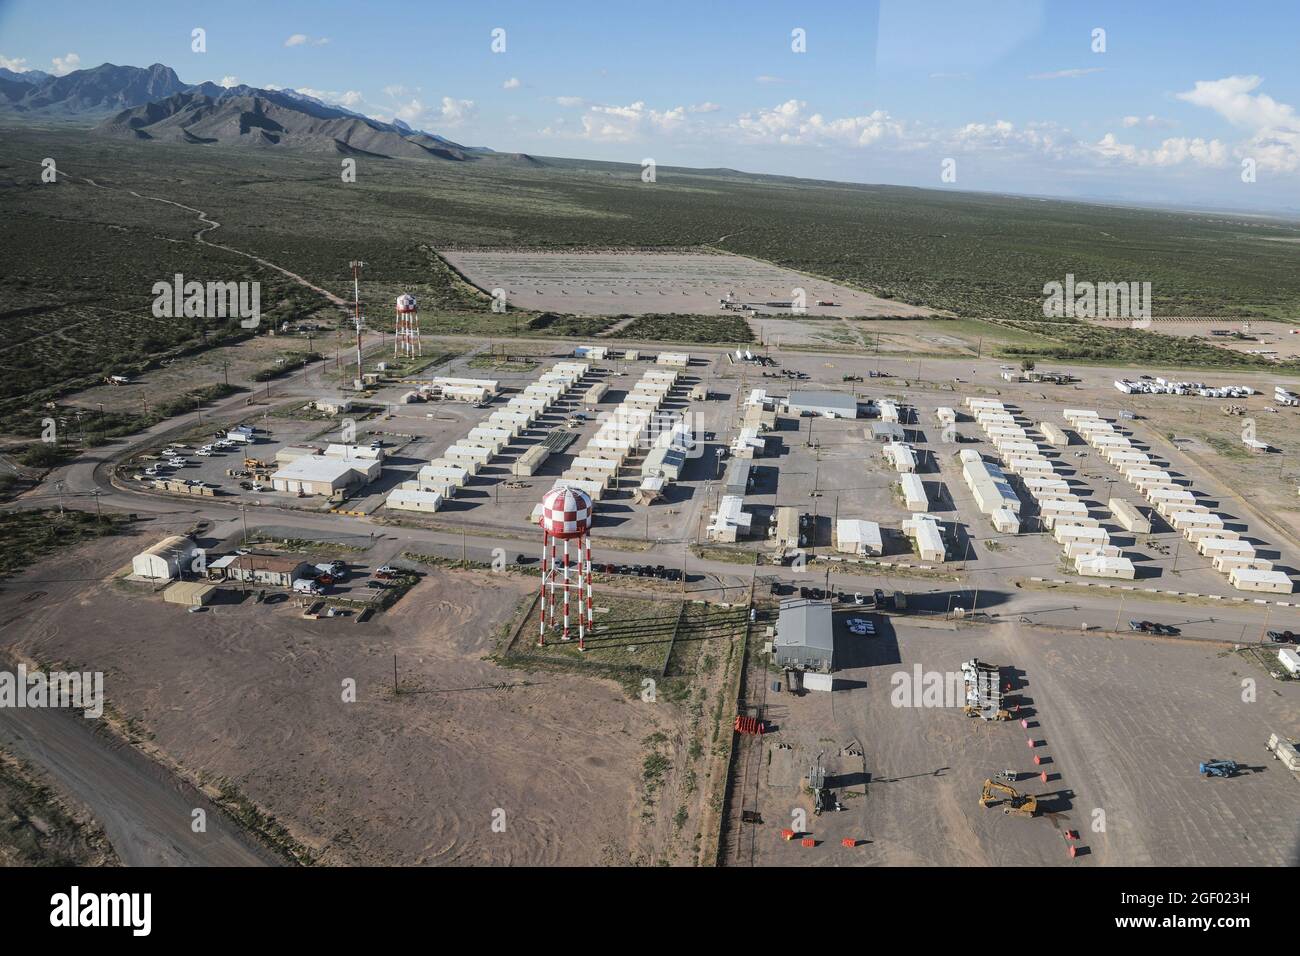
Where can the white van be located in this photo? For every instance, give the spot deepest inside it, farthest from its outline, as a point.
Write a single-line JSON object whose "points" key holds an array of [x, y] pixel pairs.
{"points": [[306, 586]]}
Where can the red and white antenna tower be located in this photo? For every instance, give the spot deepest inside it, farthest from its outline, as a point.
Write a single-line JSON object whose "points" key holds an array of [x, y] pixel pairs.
{"points": [[406, 334], [357, 265], [566, 517]]}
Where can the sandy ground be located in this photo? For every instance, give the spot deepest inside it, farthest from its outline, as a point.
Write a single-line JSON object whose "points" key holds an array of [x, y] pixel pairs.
{"points": [[1118, 731], [642, 282], [254, 694]]}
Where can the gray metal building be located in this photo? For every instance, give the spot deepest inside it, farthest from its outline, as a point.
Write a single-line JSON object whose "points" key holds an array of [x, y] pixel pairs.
{"points": [[735, 481], [836, 404], [805, 636]]}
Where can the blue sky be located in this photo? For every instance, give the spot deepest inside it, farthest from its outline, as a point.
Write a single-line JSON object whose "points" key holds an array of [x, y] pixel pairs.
{"points": [[1010, 90]]}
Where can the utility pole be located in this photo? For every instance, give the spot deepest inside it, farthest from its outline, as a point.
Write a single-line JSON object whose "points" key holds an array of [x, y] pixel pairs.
{"points": [[357, 265]]}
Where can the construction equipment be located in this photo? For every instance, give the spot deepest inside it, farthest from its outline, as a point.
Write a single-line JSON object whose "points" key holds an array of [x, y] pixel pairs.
{"points": [[823, 796], [1219, 768], [1012, 800], [983, 691], [255, 463]]}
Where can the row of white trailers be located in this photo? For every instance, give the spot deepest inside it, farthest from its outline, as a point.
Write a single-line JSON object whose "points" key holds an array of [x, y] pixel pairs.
{"points": [[1060, 510], [637, 422], [441, 477], [1175, 502]]}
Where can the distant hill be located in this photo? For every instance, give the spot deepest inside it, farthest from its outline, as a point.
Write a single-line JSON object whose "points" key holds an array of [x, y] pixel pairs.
{"points": [[102, 89], [280, 118], [153, 104], [30, 76]]}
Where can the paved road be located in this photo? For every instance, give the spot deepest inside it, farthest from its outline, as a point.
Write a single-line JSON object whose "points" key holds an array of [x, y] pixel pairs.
{"points": [[145, 811]]}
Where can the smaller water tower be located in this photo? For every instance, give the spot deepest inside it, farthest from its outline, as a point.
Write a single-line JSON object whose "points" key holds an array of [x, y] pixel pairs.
{"points": [[406, 333], [566, 518]]}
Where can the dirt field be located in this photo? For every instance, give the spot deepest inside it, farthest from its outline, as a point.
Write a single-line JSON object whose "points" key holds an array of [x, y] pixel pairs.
{"points": [[1252, 336], [654, 283], [1119, 735], [253, 694]]}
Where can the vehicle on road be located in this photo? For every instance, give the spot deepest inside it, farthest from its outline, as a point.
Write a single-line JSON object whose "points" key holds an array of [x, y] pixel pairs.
{"points": [[1283, 637]]}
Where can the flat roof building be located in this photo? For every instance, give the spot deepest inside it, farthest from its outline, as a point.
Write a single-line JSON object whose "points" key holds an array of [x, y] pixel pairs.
{"points": [[862, 538], [805, 637], [824, 403], [325, 474]]}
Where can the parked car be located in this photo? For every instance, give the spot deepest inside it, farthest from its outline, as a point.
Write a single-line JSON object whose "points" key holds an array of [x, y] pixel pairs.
{"points": [[1283, 637], [386, 572]]}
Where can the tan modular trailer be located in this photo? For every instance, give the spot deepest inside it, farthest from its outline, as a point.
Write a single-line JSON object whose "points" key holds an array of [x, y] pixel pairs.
{"points": [[190, 593], [528, 463], [945, 416], [1226, 562], [401, 499], [464, 454], [1074, 549], [490, 433], [1075, 415], [1105, 566], [1151, 481], [643, 400], [1050, 520], [674, 359], [441, 470], [1073, 533], [1212, 547], [596, 394], [1005, 522], [861, 538], [1182, 520], [929, 541], [786, 529], [1054, 434], [1253, 579], [914, 495], [1197, 535], [1129, 516], [1167, 509], [1029, 466]]}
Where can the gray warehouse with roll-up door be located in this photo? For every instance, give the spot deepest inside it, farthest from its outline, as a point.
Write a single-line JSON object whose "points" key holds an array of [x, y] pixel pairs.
{"points": [[805, 637]]}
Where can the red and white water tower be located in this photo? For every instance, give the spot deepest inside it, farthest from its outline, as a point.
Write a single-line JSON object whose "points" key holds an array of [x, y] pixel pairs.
{"points": [[566, 518], [406, 333]]}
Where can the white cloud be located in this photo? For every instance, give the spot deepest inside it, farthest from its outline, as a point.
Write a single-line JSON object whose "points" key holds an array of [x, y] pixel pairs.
{"points": [[1171, 152], [703, 108], [791, 123], [229, 81], [1275, 127], [570, 101], [511, 84], [349, 98], [17, 64], [302, 39], [1150, 121], [63, 65], [1066, 74], [767, 78], [454, 112], [397, 90]]}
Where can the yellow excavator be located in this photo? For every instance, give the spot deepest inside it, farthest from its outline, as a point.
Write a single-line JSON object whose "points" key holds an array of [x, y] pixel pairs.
{"points": [[1012, 800]]}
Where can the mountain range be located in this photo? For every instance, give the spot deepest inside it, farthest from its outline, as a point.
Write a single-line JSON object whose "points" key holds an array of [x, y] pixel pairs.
{"points": [[151, 103]]}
